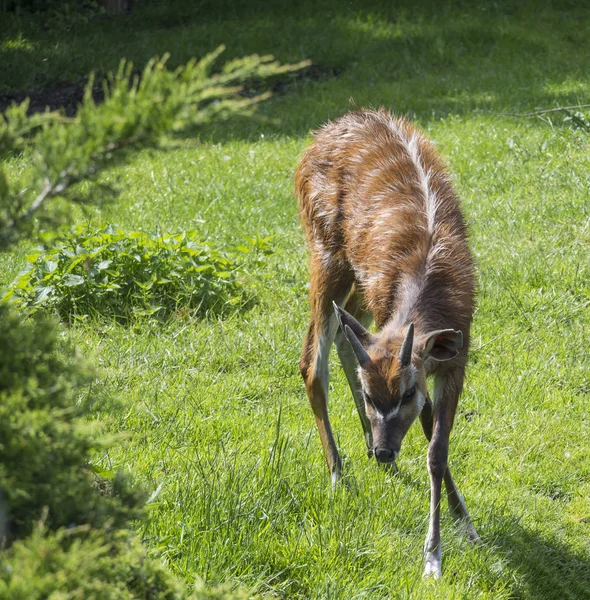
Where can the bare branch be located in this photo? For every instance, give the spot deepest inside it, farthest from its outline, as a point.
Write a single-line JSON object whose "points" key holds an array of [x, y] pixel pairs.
{"points": [[36, 204], [546, 111]]}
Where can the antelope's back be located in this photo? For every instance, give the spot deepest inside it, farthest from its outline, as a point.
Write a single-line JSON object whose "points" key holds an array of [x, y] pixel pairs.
{"points": [[374, 193]]}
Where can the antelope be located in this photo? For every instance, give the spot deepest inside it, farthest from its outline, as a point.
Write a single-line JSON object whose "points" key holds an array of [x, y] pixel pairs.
{"points": [[388, 243]]}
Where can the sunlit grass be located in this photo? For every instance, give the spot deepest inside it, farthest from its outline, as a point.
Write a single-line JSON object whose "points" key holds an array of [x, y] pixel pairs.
{"points": [[214, 410], [18, 42]]}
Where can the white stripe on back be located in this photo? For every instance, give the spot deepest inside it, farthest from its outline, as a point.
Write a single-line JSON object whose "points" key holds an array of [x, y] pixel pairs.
{"points": [[412, 146]]}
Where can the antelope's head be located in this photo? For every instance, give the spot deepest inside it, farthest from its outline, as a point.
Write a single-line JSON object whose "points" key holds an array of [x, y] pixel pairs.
{"points": [[393, 378]]}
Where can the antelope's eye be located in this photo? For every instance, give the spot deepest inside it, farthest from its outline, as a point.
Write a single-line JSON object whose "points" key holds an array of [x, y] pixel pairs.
{"points": [[368, 399], [409, 393]]}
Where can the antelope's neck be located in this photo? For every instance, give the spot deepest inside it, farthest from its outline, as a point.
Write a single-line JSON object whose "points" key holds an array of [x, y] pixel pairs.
{"points": [[407, 305]]}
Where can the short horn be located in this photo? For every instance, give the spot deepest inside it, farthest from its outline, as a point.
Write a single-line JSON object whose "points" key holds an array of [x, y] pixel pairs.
{"points": [[357, 347], [345, 318], [405, 355]]}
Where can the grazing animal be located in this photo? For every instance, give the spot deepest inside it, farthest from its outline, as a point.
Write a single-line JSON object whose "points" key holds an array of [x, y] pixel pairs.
{"points": [[388, 242]]}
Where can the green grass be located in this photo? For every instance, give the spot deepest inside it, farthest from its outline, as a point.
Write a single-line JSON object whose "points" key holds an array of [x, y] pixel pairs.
{"points": [[215, 411]]}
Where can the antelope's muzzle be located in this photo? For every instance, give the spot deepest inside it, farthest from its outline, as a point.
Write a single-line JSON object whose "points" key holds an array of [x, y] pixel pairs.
{"points": [[385, 455]]}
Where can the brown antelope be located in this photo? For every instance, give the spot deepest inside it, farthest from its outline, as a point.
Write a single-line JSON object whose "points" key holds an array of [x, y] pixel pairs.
{"points": [[388, 242]]}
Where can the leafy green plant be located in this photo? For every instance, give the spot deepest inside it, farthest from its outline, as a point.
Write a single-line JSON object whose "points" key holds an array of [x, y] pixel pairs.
{"points": [[64, 531], [117, 274]]}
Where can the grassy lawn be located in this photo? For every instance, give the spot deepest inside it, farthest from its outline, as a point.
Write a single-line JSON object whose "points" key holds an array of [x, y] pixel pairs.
{"points": [[215, 412]]}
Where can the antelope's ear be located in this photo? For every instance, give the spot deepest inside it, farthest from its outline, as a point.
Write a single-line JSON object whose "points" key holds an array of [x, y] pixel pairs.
{"points": [[443, 344]]}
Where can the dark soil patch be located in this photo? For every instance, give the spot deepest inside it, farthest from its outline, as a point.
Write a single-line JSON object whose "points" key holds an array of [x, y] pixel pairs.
{"points": [[67, 95], [64, 95], [315, 72]]}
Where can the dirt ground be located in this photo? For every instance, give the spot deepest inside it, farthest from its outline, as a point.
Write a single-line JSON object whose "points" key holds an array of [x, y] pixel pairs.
{"points": [[62, 95]]}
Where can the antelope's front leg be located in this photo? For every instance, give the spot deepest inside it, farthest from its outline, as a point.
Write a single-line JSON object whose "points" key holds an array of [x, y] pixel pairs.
{"points": [[326, 286], [456, 503], [438, 452], [314, 369], [432, 547]]}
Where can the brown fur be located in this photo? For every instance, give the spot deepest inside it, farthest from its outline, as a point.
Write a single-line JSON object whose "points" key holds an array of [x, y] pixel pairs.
{"points": [[382, 220], [360, 201]]}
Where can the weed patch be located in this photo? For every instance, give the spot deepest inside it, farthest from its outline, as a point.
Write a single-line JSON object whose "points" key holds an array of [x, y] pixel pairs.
{"points": [[120, 275]]}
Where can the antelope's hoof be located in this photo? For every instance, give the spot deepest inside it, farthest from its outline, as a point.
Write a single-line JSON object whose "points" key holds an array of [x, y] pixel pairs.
{"points": [[472, 534], [432, 561], [346, 482], [432, 568], [466, 528]]}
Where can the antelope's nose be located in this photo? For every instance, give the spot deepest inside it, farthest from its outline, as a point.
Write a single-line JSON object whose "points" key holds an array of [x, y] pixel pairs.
{"points": [[384, 455]]}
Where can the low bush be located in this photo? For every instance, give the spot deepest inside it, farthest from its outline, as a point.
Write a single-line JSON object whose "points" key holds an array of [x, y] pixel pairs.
{"points": [[45, 443], [115, 274], [64, 531], [79, 563]]}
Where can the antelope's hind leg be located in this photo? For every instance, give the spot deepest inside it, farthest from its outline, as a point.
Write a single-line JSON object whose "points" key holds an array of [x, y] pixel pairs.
{"points": [[327, 285], [354, 306]]}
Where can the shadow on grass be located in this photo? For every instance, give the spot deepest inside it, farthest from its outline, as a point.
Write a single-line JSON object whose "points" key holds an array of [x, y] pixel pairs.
{"points": [[549, 569], [424, 59]]}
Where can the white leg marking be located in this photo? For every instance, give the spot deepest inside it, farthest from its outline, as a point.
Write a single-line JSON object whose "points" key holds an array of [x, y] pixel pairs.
{"points": [[432, 563], [335, 478], [323, 352], [432, 545]]}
